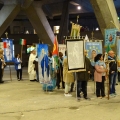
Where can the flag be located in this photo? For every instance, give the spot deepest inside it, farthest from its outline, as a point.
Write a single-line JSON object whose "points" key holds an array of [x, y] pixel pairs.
{"points": [[108, 48], [4, 44], [55, 51], [22, 41], [55, 47]]}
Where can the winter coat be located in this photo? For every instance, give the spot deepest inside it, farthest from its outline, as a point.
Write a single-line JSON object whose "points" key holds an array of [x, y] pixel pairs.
{"points": [[17, 63], [31, 66], [112, 65], [98, 73], [67, 77], [84, 75]]}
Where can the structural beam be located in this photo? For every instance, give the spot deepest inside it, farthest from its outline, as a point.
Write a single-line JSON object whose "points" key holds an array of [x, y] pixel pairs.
{"points": [[64, 22], [47, 11], [106, 14], [39, 21], [7, 15], [26, 3]]}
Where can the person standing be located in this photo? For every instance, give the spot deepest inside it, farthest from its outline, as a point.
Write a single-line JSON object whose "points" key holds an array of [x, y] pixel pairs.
{"points": [[36, 67], [1, 68], [99, 77], [82, 78], [68, 78], [31, 66], [18, 66], [60, 71], [3, 64], [93, 55], [112, 72]]}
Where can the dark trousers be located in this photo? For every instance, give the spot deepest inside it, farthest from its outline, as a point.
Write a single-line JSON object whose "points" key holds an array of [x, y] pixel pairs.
{"points": [[1, 75], [118, 76], [72, 86], [82, 85], [19, 74], [58, 80], [100, 88], [112, 79], [37, 75]]}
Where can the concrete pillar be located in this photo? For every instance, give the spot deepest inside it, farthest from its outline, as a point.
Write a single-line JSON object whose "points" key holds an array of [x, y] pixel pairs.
{"points": [[7, 15], [39, 22], [64, 21], [105, 13]]}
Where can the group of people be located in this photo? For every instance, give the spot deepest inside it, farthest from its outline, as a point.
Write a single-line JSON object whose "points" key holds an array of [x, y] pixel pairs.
{"points": [[97, 68], [100, 73], [61, 75]]}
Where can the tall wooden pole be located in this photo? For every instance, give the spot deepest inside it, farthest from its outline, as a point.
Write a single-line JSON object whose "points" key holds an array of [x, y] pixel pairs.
{"points": [[21, 51], [9, 63]]}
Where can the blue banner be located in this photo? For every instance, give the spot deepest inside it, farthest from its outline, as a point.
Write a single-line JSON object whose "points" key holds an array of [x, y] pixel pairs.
{"points": [[93, 48], [110, 37], [118, 53], [42, 52], [8, 50]]}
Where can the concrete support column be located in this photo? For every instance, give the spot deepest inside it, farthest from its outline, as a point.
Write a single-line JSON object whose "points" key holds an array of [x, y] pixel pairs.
{"points": [[64, 21], [7, 15], [40, 23], [105, 13]]}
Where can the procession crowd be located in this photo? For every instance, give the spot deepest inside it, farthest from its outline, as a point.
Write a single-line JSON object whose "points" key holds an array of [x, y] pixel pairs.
{"points": [[95, 69]]}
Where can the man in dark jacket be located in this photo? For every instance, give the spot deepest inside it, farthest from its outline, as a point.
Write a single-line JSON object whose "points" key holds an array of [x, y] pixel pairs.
{"points": [[112, 72], [82, 78]]}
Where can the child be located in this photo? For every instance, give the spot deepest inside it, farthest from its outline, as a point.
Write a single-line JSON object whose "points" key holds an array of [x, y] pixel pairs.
{"points": [[18, 67], [99, 75]]}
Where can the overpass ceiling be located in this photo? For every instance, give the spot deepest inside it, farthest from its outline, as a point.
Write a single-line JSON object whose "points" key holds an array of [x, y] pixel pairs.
{"points": [[53, 8]]}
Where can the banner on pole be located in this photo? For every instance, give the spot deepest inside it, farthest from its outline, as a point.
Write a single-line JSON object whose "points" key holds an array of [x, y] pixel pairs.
{"points": [[75, 55], [118, 53], [8, 50], [75, 30], [118, 50], [93, 48], [110, 37], [42, 52]]}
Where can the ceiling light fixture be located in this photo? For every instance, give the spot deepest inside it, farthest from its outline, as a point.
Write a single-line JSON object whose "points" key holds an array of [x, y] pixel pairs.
{"points": [[97, 29], [78, 7]]}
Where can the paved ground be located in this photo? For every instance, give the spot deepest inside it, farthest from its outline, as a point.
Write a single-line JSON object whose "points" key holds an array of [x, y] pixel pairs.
{"points": [[25, 100]]}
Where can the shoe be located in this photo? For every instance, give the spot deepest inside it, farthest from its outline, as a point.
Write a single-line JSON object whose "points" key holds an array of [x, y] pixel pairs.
{"points": [[86, 98], [105, 96], [112, 95], [32, 80], [18, 79], [99, 97], [67, 95], [115, 94], [1, 81], [116, 84]]}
